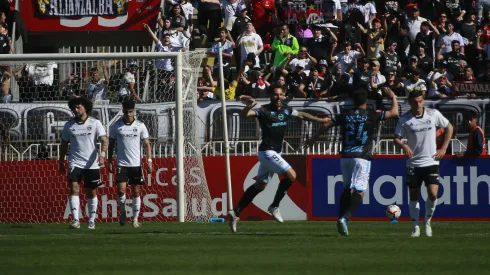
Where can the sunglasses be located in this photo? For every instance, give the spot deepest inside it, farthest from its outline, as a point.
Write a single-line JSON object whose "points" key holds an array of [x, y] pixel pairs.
{"points": [[391, 74]]}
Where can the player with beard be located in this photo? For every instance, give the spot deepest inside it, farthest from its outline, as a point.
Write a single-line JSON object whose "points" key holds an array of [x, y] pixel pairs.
{"points": [[273, 120], [358, 130], [84, 161]]}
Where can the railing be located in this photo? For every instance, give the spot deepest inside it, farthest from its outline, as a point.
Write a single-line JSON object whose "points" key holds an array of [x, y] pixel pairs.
{"points": [[215, 148]]}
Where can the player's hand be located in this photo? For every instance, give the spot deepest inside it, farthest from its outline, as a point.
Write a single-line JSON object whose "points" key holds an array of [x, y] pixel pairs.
{"points": [[408, 152], [459, 154], [439, 154], [150, 167], [62, 168], [101, 161], [308, 143]]}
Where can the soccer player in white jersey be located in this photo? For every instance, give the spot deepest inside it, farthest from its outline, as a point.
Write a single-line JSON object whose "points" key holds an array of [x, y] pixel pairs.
{"points": [[128, 133], [419, 127], [273, 120], [84, 161]]}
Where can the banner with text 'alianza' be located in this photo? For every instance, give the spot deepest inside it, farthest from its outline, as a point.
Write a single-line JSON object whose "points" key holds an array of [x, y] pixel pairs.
{"points": [[464, 190]]}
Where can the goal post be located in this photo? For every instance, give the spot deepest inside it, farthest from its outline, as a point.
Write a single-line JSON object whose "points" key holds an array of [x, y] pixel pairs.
{"points": [[193, 201]]}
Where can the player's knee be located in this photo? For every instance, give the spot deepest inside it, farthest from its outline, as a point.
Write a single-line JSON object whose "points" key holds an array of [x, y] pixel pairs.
{"points": [[291, 174], [260, 185], [74, 190], [414, 194], [432, 197]]}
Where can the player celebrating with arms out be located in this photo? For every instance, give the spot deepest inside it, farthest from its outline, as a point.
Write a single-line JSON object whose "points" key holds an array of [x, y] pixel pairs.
{"points": [[127, 133], [358, 129], [419, 127], [273, 120], [84, 161]]}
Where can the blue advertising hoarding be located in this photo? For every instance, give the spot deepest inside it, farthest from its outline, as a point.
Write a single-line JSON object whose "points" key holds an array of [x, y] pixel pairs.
{"points": [[464, 190]]}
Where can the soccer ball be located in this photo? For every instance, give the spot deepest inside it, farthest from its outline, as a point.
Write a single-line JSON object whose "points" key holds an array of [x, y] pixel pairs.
{"points": [[393, 212]]}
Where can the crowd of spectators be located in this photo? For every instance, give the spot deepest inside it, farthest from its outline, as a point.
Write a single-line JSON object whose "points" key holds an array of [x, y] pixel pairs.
{"points": [[407, 45]]}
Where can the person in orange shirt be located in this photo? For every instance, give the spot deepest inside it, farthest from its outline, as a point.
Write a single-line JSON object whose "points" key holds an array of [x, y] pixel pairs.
{"points": [[476, 138]]}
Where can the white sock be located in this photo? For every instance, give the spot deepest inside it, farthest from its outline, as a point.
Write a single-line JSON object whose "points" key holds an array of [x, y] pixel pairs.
{"points": [[430, 208], [74, 202], [136, 207], [414, 207], [122, 203], [92, 209]]}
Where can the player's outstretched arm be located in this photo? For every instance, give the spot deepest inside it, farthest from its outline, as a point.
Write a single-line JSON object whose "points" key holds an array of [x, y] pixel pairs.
{"points": [[309, 143], [406, 150], [247, 111], [393, 112], [112, 145], [308, 117]]}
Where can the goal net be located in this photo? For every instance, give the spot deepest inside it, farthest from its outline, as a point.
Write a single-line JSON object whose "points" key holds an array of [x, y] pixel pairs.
{"points": [[36, 89]]}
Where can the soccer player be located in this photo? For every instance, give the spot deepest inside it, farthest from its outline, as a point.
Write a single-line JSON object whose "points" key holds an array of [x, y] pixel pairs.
{"points": [[358, 130], [128, 133], [273, 120], [419, 127], [84, 161]]}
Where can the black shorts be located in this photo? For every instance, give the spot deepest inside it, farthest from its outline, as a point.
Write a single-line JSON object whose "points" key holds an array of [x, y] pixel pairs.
{"points": [[417, 175], [131, 175], [91, 177]]}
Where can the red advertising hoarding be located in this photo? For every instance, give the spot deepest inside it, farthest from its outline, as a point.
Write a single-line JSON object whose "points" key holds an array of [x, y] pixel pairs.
{"points": [[34, 191], [138, 12]]}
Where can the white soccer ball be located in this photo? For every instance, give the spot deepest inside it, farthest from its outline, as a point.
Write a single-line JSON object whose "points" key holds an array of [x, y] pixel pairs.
{"points": [[393, 212]]}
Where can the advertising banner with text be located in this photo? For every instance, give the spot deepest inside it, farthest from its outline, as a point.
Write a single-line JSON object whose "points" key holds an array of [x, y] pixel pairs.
{"points": [[88, 15], [35, 191], [463, 194]]}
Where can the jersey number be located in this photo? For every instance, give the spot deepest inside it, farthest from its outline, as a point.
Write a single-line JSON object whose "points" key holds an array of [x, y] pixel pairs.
{"points": [[355, 136]]}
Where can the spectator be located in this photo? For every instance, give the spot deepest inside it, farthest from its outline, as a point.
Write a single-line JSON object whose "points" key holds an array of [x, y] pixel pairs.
{"points": [[25, 83], [424, 62], [439, 87], [315, 86], [469, 29], [96, 86], [452, 57], [281, 81], [204, 90], [362, 75], [485, 38], [209, 14], [304, 59], [284, 44], [255, 86], [414, 21], [178, 40], [72, 87], [485, 77], [6, 96], [407, 71], [441, 23], [303, 33], [376, 79], [375, 38], [250, 45], [320, 45], [127, 89], [347, 58], [178, 19], [5, 41], [323, 68], [446, 39], [476, 138], [427, 37], [403, 43], [264, 16], [227, 52], [295, 81], [390, 58], [393, 82], [415, 84]]}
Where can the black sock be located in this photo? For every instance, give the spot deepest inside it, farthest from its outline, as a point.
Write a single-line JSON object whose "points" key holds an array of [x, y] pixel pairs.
{"points": [[281, 191], [246, 199], [344, 202], [355, 200]]}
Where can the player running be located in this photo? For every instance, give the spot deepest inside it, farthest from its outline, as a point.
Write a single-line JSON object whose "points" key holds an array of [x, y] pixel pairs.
{"points": [[419, 127], [128, 133], [84, 161], [358, 130], [273, 120]]}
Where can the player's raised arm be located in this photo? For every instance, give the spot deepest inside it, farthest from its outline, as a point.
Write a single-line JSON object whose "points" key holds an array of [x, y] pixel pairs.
{"points": [[248, 112], [393, 112]]}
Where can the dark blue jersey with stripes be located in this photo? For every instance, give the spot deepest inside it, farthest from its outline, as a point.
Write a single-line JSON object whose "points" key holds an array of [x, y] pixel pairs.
{"points": [[358, 126], [273, 123]]}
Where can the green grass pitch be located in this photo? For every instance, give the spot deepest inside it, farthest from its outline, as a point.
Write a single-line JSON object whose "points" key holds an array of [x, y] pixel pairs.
{"points": [[258, 248]]}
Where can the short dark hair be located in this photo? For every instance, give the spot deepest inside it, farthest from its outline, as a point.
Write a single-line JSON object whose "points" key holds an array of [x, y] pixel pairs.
{"points": [[359, 97], [223, 30], [415, 94], [276, 86], [85, 102], [472, 115], [128, 104]]}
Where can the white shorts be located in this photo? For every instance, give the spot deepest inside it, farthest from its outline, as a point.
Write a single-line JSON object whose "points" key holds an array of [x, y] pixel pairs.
{"points": [[355, 173], [271, 163]]}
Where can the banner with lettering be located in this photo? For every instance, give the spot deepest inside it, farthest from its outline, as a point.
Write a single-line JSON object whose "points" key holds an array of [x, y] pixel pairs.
{"points": [[309, 11], [80, 8], [477, 88]]}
